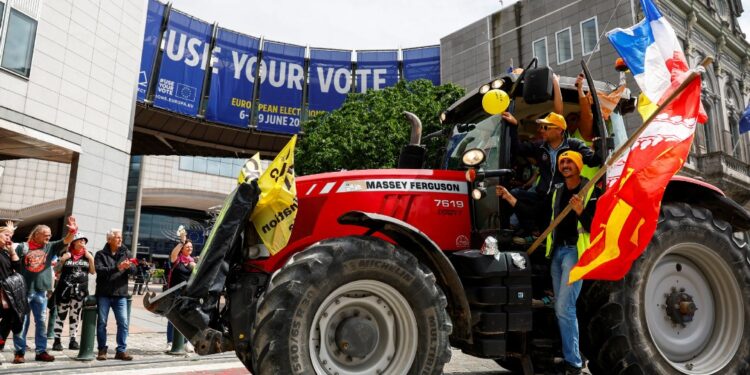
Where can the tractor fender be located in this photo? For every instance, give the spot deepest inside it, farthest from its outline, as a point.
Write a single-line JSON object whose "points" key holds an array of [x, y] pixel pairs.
{"points": [[703, 194], [429, 254]]}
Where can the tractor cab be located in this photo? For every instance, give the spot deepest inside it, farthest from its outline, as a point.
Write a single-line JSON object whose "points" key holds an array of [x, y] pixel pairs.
{"points": [[473, 128]]}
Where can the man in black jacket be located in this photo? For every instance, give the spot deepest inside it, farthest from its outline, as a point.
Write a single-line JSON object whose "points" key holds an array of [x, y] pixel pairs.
{"points": [[113, 266], [553, 130], [565, 245]]}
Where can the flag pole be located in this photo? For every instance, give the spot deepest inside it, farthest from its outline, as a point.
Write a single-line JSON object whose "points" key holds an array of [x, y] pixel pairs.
{"points": [[693, 73]]}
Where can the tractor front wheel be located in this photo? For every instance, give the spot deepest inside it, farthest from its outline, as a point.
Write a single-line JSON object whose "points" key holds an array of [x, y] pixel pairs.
{"points": [[352, 305]]}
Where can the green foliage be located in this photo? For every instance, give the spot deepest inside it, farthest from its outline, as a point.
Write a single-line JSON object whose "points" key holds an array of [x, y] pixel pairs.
{"points": [[369, 129]]}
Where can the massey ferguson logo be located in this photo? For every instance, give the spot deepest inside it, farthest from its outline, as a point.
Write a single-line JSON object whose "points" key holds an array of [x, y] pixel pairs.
{"points": [[404, 185], [462, 242]]}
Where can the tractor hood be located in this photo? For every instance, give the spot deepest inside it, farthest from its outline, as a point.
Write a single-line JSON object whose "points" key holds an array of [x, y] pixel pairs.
{"points": [[434, 201]]}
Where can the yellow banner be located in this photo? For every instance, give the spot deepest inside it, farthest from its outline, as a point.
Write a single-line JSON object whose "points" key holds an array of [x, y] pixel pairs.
{"points": [[251, 170], [274, 214]]}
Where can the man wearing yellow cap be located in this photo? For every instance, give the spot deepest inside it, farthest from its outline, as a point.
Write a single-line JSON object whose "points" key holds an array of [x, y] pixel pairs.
{"points": [[555, 142], [565, 245]]}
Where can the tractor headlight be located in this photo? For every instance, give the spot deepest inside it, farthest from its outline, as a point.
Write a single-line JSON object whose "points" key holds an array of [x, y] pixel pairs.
{"points": [[496, 84], [473, 157], [478, 193], [483, 90]]}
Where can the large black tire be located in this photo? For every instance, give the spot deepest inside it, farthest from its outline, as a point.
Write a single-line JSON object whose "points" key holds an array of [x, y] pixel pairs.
{"points": [[625, 326], [334, 277]]}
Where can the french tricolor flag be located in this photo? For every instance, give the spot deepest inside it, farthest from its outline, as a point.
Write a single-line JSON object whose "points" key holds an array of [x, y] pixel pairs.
{"points": [[652, 51]]}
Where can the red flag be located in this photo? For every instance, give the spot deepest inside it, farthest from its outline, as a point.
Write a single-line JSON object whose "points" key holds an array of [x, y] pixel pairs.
{"points": [[627, 214]]}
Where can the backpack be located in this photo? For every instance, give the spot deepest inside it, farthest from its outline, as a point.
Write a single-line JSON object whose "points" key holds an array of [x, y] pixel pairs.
{"points": [[74, 287]]}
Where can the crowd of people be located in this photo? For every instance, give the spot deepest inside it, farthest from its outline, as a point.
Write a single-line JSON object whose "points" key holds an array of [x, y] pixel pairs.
{"points": [[31, 283]]}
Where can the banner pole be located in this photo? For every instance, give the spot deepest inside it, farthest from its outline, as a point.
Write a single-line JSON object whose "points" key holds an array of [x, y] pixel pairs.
{"points": [[694, 73]]}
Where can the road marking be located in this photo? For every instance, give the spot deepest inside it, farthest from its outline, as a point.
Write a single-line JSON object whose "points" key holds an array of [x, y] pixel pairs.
{"points": [[173, 369]]}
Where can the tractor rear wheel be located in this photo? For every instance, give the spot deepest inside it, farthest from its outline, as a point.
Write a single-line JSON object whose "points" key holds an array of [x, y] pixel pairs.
{"points": [[684, 307], [352, 305]]}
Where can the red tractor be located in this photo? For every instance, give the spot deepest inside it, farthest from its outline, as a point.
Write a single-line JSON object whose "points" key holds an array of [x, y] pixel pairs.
{"points": [[383, 273]]}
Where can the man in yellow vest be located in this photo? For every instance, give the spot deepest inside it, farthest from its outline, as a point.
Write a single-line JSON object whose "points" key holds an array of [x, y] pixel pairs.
{"points": [[565, 245]]}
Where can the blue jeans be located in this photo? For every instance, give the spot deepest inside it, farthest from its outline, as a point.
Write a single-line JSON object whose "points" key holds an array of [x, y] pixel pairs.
{"points": [[38, 305], [563, 260], [119, 307]]}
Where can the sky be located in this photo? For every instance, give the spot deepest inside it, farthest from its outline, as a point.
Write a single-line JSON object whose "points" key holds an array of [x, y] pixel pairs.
{"points": [[745, 19], [354, 24], [344, 24]]}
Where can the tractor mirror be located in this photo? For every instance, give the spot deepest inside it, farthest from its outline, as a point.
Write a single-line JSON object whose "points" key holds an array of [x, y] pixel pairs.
{"points": [[537, 85]]}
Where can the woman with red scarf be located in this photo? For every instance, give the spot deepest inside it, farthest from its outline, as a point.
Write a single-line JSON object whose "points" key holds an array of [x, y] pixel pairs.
{"points": [[72, 288], [182, 267]]}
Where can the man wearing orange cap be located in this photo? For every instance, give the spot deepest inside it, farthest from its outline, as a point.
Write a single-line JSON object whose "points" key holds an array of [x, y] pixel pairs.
{"points": [[556, 141], [565, 245]]}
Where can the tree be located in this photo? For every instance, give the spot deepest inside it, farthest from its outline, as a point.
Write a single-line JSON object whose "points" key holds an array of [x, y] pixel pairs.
{"points": [[369, 129]]}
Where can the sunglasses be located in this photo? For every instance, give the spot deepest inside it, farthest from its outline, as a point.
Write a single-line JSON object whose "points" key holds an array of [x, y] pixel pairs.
{"points": [[546, 127]]}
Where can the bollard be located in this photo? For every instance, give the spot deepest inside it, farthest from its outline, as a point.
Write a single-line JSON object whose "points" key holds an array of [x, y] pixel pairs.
{"points": [[88, 329], [51, 322], [178, 343], [129, 298]]}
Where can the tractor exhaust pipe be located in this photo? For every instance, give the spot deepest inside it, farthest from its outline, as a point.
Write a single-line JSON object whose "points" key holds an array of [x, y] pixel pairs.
{"points": [[412, 155], [416, 128]]}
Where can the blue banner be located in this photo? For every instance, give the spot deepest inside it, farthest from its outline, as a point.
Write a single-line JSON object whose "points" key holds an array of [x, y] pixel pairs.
{"points": [[422, 63], [282, 78], [154, 18], [330, 79], [376, 70], [234, 60], [183, 64]]}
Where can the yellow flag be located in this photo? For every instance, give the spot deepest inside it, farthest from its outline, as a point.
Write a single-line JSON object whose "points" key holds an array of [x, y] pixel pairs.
{"points": [[274, 214], [645, 106], [252, 169]]}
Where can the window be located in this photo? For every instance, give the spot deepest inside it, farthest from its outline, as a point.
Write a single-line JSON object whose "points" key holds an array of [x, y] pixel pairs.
{"points": [[564, 44], [723, 9], [589, 36], [708, 126], [212, 166], [199, 164], [18, 42], [734, 127], [2, 15], [226, 167], [540, 50]]}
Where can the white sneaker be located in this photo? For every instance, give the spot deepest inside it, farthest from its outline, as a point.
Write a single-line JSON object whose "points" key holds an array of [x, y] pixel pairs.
{"points": [[189, 347], [169, 346]]}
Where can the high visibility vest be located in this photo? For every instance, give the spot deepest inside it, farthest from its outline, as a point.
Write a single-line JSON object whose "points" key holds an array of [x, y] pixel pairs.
{"points": [[587, 171], [583, 237]]}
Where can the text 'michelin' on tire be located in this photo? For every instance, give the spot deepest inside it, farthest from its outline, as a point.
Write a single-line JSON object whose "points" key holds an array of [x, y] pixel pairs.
{"points": [[352, 305]]}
